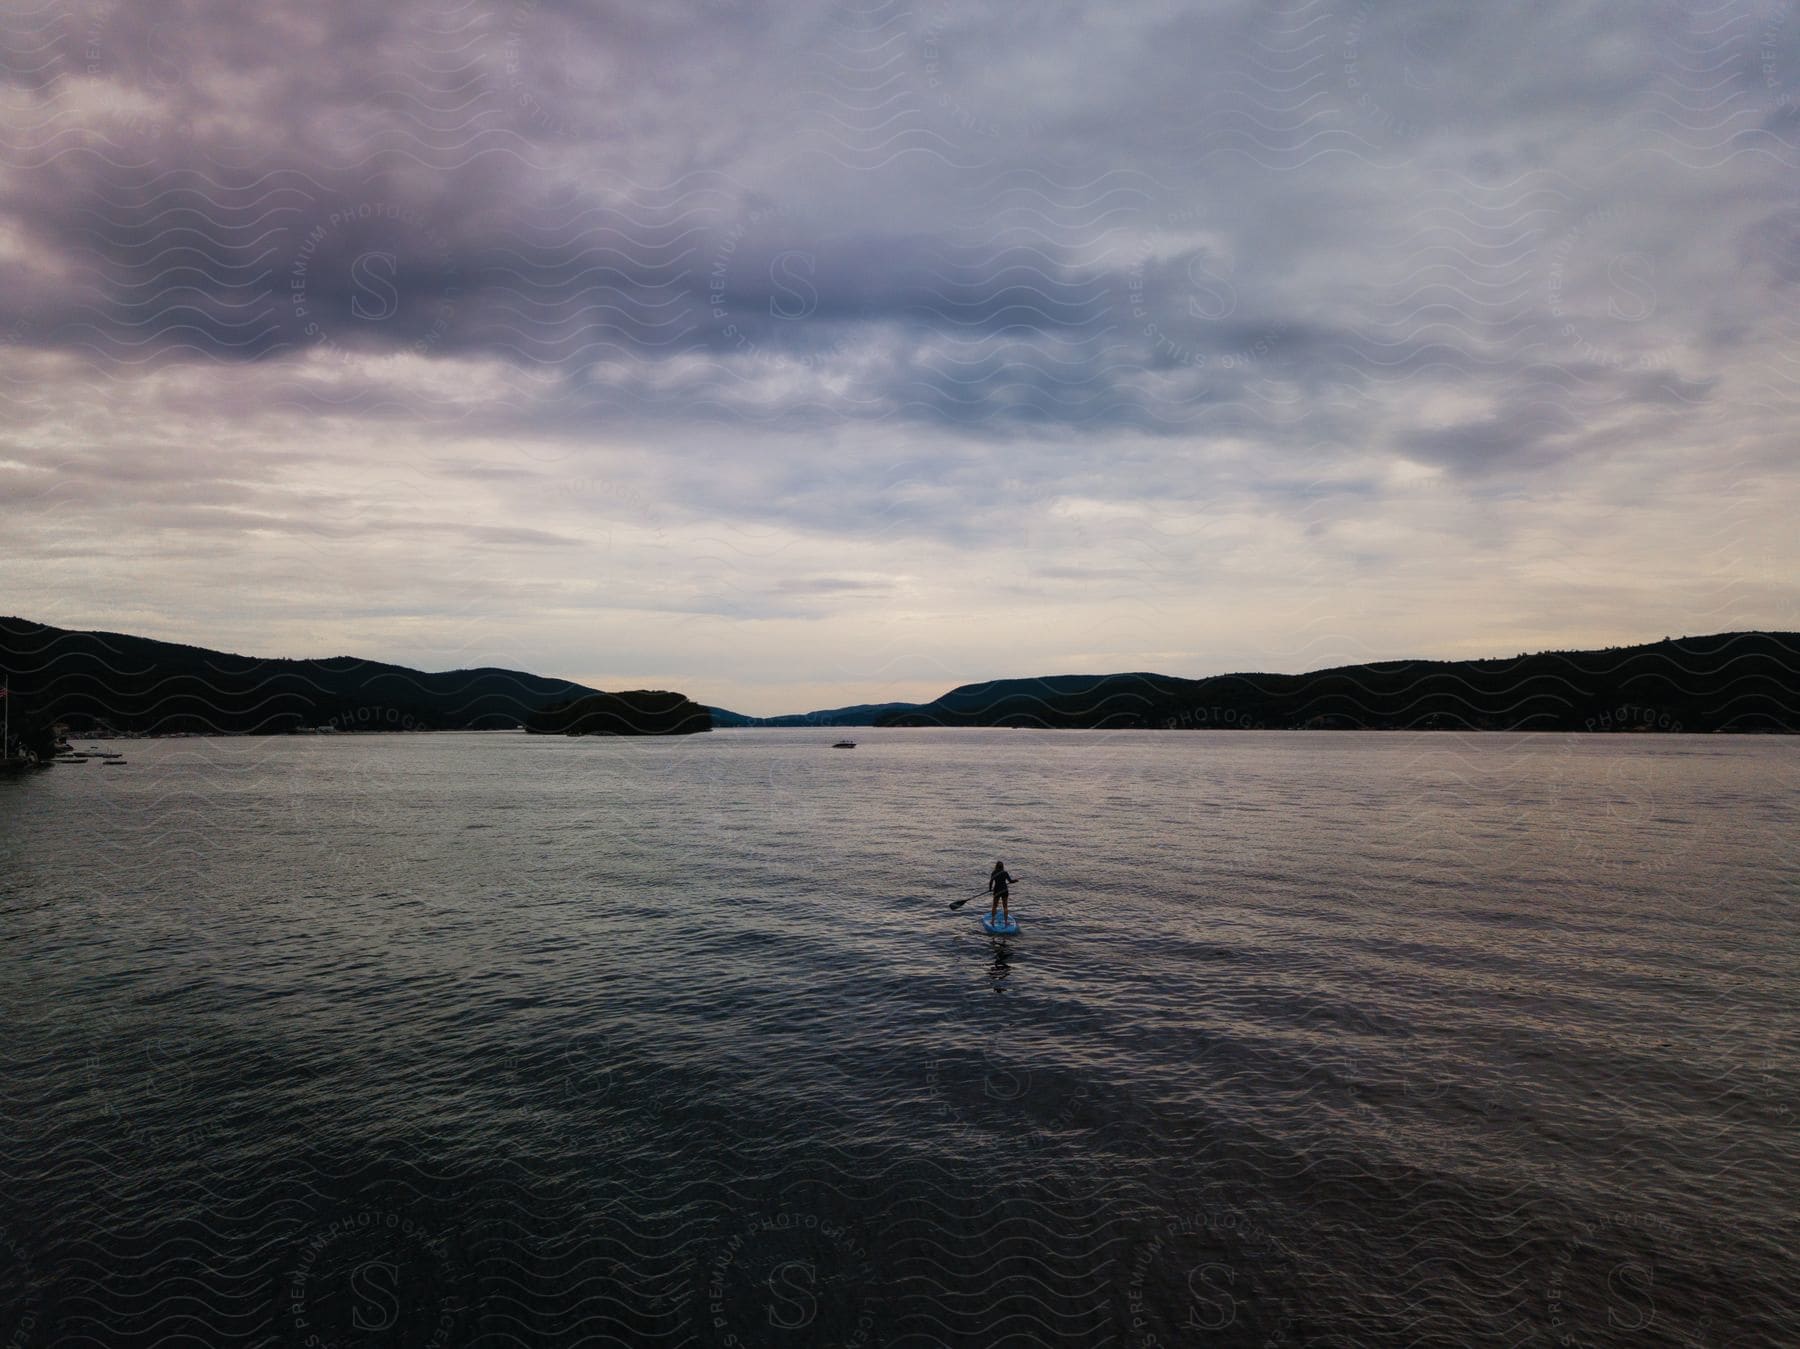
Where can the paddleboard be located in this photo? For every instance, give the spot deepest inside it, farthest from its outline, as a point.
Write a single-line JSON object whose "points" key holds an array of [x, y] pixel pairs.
{"points": [[998, 925]]}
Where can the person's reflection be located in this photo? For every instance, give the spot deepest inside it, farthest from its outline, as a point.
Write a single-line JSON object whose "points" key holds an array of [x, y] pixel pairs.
{"points": [[1001, 968]]}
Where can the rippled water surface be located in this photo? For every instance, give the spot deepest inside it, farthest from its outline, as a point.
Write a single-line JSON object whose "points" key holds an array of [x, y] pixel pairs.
{"points": [[1308, 1039]]}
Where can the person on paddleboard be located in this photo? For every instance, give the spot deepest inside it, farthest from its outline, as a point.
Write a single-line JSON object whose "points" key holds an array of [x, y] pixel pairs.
{"points": [[998, 880]]}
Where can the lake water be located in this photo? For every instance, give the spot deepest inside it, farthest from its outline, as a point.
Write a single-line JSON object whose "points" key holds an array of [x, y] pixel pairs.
{"points": [[1308, 1039]]}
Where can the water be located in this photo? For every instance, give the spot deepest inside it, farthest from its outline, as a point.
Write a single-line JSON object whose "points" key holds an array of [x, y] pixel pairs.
{"points": [[1308, 1039]]}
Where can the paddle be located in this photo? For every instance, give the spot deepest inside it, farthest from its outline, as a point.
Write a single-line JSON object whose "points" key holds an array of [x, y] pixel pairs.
{"points": [[977, 895]]}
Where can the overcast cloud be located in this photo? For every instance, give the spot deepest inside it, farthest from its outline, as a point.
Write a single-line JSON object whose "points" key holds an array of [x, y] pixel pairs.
{"points": [[795, 355]]}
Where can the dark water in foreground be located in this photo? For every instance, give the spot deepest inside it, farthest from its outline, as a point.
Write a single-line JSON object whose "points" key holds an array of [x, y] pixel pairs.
{"points": [[1309, 1039]]}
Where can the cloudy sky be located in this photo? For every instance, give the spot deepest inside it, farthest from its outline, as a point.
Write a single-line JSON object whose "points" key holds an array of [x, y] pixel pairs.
{"points": [[798, 354]]}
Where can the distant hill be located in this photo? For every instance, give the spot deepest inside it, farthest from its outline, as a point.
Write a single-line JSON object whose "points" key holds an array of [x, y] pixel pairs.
{"points": [[1734, 681], [862, 714], [1050, 700], [637, 712], [98, 680]]}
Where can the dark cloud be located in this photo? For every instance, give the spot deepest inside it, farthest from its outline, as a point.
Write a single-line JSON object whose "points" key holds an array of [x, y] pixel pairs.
{"points": [[435, 179]]}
